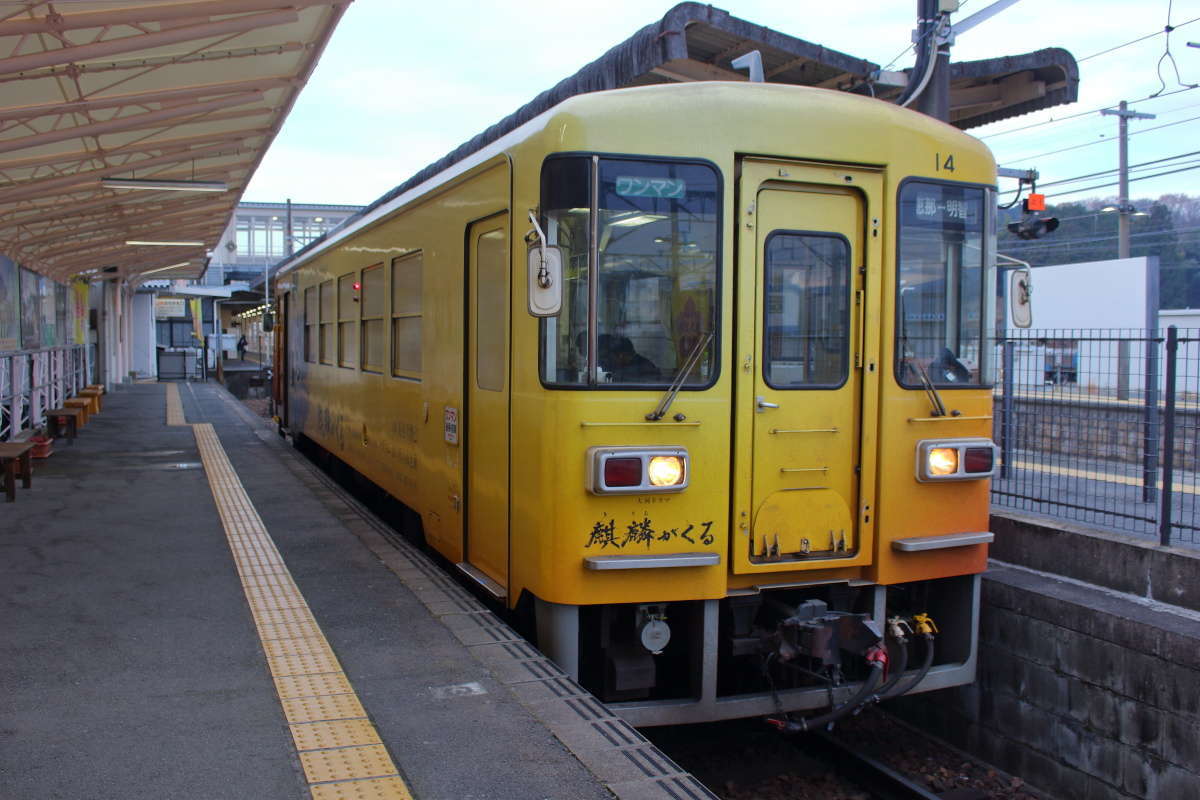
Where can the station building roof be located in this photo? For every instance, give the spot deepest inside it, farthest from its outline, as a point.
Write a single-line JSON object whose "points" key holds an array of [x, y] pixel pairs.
{"points": [[164, 90]]}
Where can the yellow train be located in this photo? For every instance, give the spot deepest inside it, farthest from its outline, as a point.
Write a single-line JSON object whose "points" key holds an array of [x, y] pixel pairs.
{"points": [[695, 377]]}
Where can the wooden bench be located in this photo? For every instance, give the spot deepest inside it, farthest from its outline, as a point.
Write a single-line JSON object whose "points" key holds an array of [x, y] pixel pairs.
{"points": [[16, 456], [94, 396], [54, 422], [83, 404]]}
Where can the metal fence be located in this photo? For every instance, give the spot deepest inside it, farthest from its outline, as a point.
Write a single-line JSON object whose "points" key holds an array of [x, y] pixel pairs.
{"points": [[1100, 426], [32, 381]]}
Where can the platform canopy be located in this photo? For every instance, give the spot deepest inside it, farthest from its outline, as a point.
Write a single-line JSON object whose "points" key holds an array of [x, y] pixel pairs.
{"points": [[125, 121]]}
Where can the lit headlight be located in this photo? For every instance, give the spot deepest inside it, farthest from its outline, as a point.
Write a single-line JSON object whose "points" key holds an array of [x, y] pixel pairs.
{"points": [[665, 470], [955, 459], [941, 461], [636, 470]]}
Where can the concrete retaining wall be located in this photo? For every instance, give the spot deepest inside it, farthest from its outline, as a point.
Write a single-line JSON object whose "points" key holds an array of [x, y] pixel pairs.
{"points": [[1105, 430], [1083, 690]]}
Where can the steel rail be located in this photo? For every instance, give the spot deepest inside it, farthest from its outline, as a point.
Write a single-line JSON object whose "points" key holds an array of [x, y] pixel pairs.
{"points": [[878, 779]]}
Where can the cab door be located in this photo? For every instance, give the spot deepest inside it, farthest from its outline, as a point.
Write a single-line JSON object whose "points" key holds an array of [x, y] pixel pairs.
{"points": [[803, 276], [486, 423]]}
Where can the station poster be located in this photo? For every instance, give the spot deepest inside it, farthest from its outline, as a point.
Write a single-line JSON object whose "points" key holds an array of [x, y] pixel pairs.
{"points": [[10, 306], [31, 309], [48, 294]]}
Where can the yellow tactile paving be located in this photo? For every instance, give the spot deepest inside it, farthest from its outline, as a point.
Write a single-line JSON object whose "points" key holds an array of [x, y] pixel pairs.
{"points": [[290, 686], [303, 664], [377, 789], [275, 648], [347, 763], [340, 749], [276, 616], [288, 630], [325, 707], [174, 406], [334, 733]]}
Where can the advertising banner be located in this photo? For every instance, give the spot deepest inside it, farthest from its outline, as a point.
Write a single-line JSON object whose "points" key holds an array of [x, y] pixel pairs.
{"points": [[80, 310], [10, 306], [197, 320]]}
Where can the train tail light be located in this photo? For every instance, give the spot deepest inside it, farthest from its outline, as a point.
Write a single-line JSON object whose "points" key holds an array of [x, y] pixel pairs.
{"points": [[955, 459], [637, 470], [623, 472]]}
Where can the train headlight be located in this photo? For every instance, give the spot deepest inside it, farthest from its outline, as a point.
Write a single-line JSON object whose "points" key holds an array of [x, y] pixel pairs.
{"points": [[955, 459], [636, 470], [942, 461], [665, 470]]}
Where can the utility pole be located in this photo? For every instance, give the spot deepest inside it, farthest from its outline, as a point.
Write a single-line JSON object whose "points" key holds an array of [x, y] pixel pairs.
{"points": [[1124, 115]]}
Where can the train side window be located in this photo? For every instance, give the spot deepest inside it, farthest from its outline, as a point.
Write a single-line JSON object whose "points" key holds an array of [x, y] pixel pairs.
{"points": [[406, 315], [491, 310], [372, 319], [312, 324], [807, 341], [348, 320], [328, 315]]}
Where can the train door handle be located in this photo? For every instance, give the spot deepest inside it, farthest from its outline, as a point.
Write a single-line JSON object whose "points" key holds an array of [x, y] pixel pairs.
{"points": [[763, 405]]}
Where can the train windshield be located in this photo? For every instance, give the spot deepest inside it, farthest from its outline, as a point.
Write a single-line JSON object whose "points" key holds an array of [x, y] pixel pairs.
{"points": [[945, 286], [640, 241]]}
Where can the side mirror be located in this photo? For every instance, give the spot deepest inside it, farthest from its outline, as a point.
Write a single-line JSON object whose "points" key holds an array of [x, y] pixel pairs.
{"points": [[545, 281], [1020, 290]]}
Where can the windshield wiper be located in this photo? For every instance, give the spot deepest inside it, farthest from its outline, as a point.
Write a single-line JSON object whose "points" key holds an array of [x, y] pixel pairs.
{"points": [[939, 408], [689, 364]]}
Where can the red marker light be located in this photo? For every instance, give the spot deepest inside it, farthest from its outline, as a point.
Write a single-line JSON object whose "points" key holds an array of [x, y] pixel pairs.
{"points": [[978, 459], [623, 472], [357, 286]]}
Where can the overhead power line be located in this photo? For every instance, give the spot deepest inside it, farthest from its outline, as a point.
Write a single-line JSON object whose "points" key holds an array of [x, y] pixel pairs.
{"points": [[1159, 32], [1017, 243], [1099, 141], [1131, 180], [1112, 171], [1056, 120]]}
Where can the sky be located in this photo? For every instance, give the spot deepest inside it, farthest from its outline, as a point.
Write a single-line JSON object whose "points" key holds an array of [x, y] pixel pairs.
{"points": [[403, 83]]}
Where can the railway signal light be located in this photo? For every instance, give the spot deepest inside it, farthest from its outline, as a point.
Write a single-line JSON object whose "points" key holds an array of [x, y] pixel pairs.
{"points": [[1032, 226]]}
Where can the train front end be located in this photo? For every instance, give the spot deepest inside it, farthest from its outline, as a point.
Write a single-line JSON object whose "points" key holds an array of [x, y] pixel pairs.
{"points": [[751, 400]]}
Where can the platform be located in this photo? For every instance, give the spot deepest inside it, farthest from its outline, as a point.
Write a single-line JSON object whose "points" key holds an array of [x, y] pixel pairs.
{"points": [[189, 609]]}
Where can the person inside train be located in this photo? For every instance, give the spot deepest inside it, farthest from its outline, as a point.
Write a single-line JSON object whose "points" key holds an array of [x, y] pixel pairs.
{"points": [[625, 363]]}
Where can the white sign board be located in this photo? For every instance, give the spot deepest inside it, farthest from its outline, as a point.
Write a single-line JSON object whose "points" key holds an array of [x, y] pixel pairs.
{"points": [[165, 307]]}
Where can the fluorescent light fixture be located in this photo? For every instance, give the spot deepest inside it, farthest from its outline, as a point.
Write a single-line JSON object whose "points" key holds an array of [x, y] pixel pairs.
{"points": [[634, 219], [169, 186], [164, 269], [147, 243]]}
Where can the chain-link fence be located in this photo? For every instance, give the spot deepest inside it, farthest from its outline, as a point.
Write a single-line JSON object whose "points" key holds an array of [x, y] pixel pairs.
{"points": [[1100, 426]]}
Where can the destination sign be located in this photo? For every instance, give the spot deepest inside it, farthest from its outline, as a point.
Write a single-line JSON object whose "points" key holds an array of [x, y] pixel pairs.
{"points": [[933, 207], [945, 207], [668, 188]]}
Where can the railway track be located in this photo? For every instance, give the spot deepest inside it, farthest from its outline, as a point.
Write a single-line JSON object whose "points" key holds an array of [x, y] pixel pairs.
{"points": [[879, 780]]}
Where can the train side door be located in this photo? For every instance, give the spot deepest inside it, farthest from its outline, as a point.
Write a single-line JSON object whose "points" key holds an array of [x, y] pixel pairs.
{"points": [[486, 422], [801, 387], [281, 375]]}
